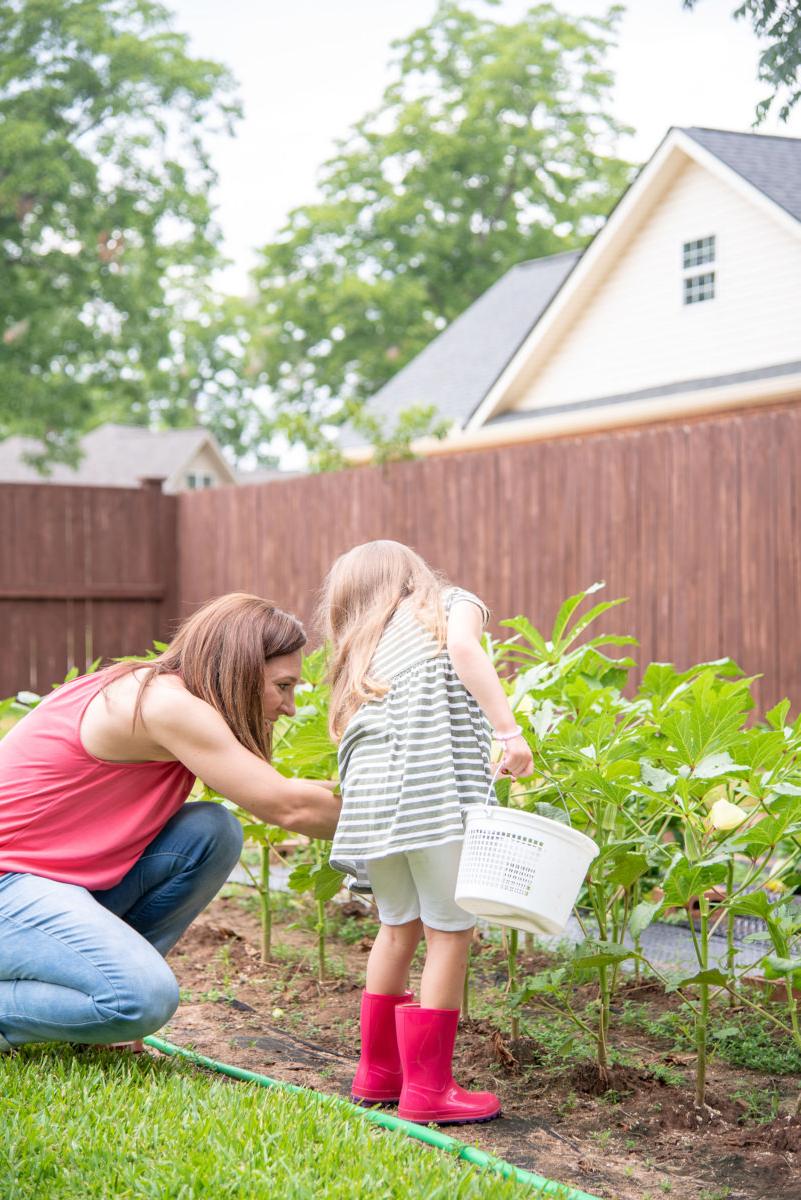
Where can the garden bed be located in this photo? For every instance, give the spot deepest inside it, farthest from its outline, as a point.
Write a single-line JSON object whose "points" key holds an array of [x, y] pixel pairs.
{"points": [[633, 1135]]}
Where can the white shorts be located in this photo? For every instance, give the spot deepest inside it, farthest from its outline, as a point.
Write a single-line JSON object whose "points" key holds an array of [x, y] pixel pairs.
{"points": [[419, 883]]}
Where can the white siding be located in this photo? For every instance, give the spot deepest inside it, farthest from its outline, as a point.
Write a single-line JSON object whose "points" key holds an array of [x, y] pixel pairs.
{"points": [[634, 330], [202, 463]]}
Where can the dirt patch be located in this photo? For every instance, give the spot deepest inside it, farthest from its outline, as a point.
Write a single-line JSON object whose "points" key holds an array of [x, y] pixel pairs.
{"points": [[623, 1135]]}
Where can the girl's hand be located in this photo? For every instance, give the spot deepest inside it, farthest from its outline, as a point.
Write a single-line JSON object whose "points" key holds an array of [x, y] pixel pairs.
{"points": [[517, 760]]}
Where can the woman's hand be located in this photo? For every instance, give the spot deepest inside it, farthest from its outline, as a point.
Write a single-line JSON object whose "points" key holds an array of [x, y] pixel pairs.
{"points": [[517, 760]]}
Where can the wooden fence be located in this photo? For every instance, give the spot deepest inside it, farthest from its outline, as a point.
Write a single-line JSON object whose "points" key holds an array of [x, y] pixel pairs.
{"points": [[84, 572], [698, 523]]}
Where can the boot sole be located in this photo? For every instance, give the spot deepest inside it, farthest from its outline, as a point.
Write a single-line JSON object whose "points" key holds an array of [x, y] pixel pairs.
{"points": [[366, 1101], [431, 1119]]}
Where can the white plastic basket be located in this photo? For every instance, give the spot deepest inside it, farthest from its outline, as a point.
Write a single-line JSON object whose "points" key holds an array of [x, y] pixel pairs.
{"points": [[520, 869]]}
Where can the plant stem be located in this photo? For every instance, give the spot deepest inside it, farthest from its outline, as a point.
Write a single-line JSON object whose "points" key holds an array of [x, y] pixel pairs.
{"points": [[511, 973], [466, 989], [266, 906], [702, 1018], [730, 953], [321, 971]]}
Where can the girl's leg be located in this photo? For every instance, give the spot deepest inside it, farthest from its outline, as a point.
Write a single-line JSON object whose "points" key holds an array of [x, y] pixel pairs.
{"points": [[401, 929], [391, 957], [426, 1032], [379, 1078], [448, 928], [442, 984]]}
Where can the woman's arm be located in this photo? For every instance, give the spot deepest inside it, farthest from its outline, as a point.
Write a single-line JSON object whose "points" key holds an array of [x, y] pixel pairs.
{"points": [[478, 675], [198, 736]]}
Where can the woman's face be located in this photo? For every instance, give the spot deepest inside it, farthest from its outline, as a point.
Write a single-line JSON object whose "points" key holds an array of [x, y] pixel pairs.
{"points": [[281, 677]]}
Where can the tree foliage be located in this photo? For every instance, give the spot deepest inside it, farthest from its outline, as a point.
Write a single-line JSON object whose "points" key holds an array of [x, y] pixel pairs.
{"points": [[778, 23], [492, 145], [106, 232]]}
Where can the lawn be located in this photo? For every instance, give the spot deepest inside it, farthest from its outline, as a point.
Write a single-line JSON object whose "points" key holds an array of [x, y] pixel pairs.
{"points": [[96, 1123]]}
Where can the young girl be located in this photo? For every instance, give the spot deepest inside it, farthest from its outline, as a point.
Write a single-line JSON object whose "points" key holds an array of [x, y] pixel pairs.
{"points": [[413, 696]]}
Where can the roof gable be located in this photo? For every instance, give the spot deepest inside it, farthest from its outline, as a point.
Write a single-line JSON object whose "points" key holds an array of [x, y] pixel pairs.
{"points": [[623, 223], [771, 164]]}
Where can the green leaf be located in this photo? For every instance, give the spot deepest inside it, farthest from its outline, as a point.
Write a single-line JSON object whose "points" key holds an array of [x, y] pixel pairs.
{"points": [[776, 717], [601, 954], [656, 778], [327, 882], [713, 765], [568, 607], [753, 904], [641, 917], [686, 882], [627, 867], [711, 976]]}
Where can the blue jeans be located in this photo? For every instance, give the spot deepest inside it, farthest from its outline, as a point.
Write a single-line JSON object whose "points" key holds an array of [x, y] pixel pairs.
{"points": [[80, 966]]}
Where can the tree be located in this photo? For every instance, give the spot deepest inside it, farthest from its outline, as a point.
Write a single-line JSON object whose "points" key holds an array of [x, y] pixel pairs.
{"points": [[779, 21], [492, 145], [106, 232]]}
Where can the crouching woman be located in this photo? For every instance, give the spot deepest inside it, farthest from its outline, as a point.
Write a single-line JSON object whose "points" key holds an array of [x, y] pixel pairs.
{"points": [[103, 864]]}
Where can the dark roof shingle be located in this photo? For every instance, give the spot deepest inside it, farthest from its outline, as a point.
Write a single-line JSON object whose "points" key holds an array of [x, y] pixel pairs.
{"points": [[772, 164]]}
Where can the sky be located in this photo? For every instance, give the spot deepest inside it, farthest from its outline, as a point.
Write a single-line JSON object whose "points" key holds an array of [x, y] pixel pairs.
{"points": [[308, 69]]}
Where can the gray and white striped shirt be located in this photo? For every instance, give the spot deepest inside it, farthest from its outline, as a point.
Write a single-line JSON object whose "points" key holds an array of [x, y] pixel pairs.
{"points": [[410, 761]]}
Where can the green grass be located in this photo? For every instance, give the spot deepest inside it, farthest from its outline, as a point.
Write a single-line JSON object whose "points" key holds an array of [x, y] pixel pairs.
{"points": [[100, 1125], [741, 1038]]}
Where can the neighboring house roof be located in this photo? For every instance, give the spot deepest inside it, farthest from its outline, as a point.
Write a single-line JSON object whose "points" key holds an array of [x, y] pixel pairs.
{"points": [[119, 456], [457, 369], [464, 371]]}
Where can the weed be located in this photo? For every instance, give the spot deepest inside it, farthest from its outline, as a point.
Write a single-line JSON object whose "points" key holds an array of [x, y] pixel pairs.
{"points": [[762, 1103], [603, 1137], [667, 1074]]}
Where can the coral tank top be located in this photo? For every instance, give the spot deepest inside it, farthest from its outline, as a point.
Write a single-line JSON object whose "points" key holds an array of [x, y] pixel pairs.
{"points": [[69, 816]]}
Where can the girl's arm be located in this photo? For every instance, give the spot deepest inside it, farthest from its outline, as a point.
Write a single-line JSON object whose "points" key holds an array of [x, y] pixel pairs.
{"points": [[478, 675], [199, 738]]}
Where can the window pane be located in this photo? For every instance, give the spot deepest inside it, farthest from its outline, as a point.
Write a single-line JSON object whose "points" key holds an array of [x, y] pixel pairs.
{"points": [[699, 287], [700, 251]]}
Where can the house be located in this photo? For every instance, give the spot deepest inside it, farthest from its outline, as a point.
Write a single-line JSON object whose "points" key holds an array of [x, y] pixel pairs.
{"points": [[123, 455], [687, 301]]}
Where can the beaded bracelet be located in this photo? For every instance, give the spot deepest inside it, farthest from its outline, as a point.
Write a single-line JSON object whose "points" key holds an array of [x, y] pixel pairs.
{"points": [[507, 737]]}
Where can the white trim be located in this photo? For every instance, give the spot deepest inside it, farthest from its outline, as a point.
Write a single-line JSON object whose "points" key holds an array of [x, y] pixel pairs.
{"points": [[634, 413], [621, 226]]}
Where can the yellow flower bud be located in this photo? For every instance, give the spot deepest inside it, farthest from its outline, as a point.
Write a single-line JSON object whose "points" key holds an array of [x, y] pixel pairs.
{"points": [[725, 815]]}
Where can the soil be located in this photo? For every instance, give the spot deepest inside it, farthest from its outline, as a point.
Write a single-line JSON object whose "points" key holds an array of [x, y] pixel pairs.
{"points": [[624, 1136]]}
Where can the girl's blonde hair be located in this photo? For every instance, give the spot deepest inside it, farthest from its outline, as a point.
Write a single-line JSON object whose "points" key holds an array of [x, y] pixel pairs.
{"points": [[361, 592]]}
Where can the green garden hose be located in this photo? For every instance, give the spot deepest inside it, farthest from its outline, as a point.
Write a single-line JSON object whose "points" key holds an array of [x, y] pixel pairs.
{"points": [[423, 1133]]}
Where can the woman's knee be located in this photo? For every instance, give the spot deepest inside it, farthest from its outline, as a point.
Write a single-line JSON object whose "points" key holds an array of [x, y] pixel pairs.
{"points": [[145, 1001], [216, 825]]}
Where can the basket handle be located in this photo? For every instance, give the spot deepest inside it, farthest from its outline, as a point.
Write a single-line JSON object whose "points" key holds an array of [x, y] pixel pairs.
{"points": [[496, 773]]}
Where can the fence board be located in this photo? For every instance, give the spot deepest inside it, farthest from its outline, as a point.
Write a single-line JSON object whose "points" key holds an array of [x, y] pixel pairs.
{"points": [[699, 523], [84, 572]]}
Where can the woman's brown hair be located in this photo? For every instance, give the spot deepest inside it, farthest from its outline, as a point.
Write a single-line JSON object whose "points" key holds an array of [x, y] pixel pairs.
{"points": [[219, 653]]}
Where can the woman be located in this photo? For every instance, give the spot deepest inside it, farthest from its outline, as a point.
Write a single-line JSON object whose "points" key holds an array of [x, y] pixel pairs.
{"points": [[102, 863]]}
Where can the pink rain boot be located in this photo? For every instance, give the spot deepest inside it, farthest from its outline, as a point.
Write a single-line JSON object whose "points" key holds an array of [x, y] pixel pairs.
{"points": [[425, 1039], [378, 1076]]}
